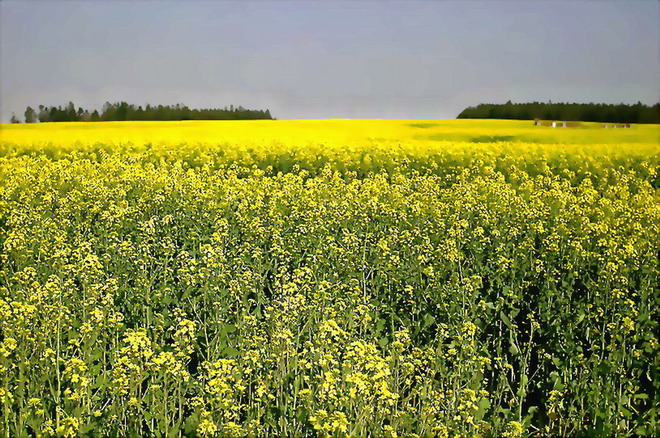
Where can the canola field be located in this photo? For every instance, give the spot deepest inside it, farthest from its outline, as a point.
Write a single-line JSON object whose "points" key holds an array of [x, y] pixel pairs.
{"points": [[449, 278]]}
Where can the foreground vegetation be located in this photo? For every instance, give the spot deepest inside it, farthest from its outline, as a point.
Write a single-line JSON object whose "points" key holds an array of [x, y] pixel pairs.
{"points": [[401, 286]]}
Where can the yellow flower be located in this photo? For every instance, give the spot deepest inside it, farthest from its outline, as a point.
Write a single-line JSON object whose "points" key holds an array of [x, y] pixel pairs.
{"points": [[514, 429], [628, 324]]}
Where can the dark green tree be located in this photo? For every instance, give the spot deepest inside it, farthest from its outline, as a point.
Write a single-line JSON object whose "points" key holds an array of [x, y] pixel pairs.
{"points": [[588, 112], [125, 111], [70, 113], [30, 115], [44, 116]]}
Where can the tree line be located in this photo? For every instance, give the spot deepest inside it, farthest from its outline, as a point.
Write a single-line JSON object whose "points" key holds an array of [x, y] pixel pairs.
{"points": [[124, 111], [586, 112]]}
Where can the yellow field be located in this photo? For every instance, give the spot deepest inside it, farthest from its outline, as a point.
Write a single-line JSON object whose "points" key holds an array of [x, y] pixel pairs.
{"points": [[358, 145], [326, 131], [328, 278]]}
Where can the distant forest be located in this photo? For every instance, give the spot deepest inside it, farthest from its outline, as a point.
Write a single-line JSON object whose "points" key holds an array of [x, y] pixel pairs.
{"points": [[585, 112], [124, 111]]}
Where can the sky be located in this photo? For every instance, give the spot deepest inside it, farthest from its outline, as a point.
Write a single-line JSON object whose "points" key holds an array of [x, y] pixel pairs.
{"points": [[326, 59]]}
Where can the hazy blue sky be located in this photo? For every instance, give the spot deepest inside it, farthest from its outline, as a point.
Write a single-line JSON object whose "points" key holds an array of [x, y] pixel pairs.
{"points": [[324, 59]]}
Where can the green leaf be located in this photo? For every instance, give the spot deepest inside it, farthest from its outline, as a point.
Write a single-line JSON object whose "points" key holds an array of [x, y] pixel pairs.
{"points": [[230, 352], [484, 405], [505, 319]]}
